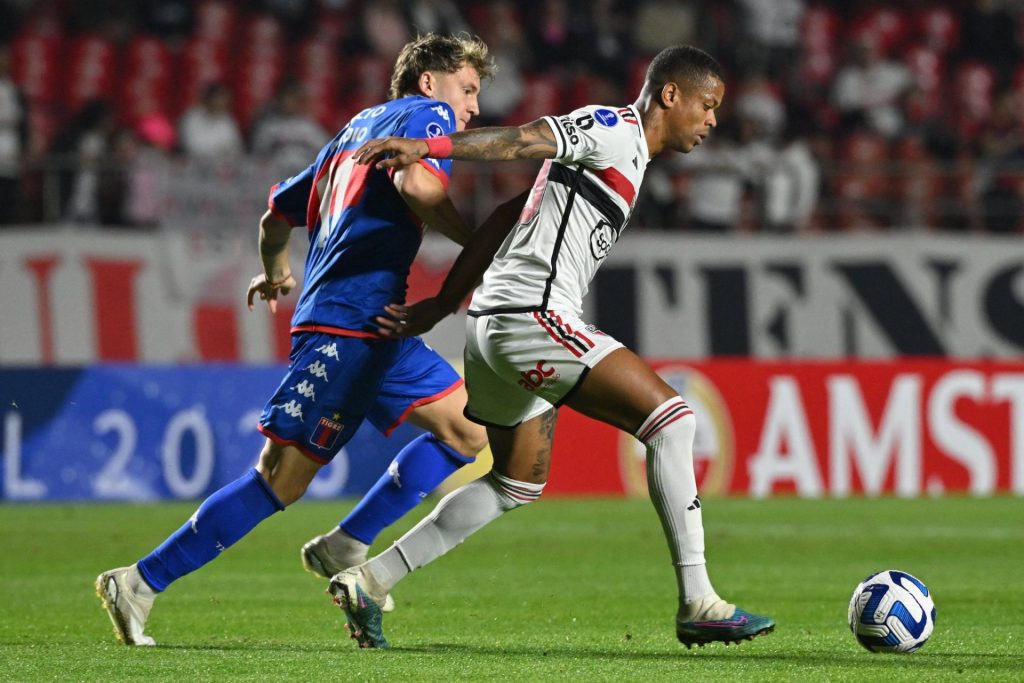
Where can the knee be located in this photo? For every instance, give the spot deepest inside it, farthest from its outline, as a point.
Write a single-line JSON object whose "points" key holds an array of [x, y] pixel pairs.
{"points": [[467, 438], [287, 475], [288, 489]]}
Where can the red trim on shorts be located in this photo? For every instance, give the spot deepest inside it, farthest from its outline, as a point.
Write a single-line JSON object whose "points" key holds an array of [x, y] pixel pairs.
{"points": [[537, 315], [569, 332], [288, 442], [422, 402], [339, 331]]}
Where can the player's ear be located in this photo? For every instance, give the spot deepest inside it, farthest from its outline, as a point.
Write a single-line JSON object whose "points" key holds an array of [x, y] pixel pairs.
{"points": [[668, 95], [427, 83]]}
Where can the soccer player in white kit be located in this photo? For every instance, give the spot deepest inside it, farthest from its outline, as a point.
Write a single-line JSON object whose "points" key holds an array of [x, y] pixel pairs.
{"points": [[529, 352]]}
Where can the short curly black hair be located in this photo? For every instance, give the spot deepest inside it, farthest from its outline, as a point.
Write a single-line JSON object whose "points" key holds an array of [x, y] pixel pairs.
{"points": [[683, 64], [435, 52]]}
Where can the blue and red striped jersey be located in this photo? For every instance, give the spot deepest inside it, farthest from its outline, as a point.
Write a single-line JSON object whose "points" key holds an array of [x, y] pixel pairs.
{"points": [[362, 235]]}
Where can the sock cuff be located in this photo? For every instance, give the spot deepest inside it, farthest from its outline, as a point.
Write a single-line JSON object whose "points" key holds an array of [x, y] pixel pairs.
{"points": [[521, 492], [668, 412], [150, 581], [254, 473], [459, 458]]}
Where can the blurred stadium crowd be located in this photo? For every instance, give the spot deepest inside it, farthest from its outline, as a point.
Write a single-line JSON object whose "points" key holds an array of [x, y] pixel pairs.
{"points": [[838, 116]]}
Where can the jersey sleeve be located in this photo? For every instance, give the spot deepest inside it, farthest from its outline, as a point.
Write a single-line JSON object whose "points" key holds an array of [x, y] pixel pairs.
{"points": [[289, 198], [432, 121], [592, 136]]}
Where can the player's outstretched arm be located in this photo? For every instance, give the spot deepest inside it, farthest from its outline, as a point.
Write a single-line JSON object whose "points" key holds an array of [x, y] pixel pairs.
{"points": [[428, 198], [533, 140], [469, 267], [276, 276]]}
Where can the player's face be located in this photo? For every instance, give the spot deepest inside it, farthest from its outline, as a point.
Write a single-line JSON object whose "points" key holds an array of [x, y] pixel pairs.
{"points": [[692, 115], [460, 90]]}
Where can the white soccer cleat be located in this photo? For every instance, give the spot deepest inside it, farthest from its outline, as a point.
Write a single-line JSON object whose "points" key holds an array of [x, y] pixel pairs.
{"points": [[352, 590], [128, 611], [318, 559]]}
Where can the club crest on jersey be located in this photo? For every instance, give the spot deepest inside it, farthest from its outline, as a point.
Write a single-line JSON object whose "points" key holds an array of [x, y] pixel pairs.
{"points": [[606, 117], [602, 237], [326, 432], [434, 130]]}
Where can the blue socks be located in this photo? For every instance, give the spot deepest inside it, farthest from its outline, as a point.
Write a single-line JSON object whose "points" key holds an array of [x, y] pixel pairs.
{"points": [[416, 471], [222, 519]]}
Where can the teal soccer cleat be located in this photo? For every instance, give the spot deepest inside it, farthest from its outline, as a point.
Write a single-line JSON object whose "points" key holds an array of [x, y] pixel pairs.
{"points": [[742, 625], [349, 590]]}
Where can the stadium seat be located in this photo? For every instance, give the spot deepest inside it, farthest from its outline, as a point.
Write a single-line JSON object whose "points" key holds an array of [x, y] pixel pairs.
{"points": [[919, 185], [861, 184], [256, 79], [928, 67], [542, 94], [216, 21], [90, 71], [973, 96], [819, 33], [885, 25], [938, 27], [36, 66], [203, 62]]}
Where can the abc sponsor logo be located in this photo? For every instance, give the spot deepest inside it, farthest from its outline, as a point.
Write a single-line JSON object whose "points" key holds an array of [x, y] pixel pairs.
{"points": [[540, 375], [714, 451]]}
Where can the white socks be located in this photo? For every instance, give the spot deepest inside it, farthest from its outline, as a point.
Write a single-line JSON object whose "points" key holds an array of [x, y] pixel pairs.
{"points": [[459, 514], [668, 435], [139, 585], [344, 549]]}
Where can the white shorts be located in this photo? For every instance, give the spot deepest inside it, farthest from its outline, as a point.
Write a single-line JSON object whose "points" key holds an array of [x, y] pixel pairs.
{"points": [[518, 365]]}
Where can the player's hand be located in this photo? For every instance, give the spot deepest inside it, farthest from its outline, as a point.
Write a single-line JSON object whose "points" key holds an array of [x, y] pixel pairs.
{"points": [[268, 290], [404, 151], [410, 321]]}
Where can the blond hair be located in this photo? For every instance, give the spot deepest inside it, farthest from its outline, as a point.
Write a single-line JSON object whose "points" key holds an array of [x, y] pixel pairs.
{"points": [[435, 52]]}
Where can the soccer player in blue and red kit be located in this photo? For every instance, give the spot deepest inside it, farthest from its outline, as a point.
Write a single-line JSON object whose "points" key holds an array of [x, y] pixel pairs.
{"points": [[364, 228]]}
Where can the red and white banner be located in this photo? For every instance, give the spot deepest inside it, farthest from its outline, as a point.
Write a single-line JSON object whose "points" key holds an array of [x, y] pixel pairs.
{"points": [[814, 429], [178, 296]]}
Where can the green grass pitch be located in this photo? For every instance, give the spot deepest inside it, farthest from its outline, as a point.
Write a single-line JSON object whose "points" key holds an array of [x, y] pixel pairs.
{"points": [[561, 590]]}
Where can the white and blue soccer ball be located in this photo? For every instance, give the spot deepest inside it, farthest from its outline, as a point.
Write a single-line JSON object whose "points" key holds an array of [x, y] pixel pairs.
{"points": [[892, 611]]}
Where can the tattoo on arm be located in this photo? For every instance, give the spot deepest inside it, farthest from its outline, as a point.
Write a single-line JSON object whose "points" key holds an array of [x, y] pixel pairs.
{"points": [[532, 141]]}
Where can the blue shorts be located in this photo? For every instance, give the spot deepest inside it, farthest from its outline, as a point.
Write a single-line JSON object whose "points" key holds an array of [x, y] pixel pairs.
{"points": [[334, 382]]}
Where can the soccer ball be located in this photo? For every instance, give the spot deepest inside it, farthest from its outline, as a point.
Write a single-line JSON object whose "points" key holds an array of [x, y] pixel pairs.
{"points": [[891, 611]]}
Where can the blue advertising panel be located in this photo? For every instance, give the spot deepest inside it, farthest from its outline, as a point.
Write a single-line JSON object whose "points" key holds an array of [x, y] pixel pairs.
{"points": [[131, 432]]}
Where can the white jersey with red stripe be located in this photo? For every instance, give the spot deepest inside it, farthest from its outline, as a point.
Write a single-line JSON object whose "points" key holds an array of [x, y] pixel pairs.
{"points": [[579, 206]]}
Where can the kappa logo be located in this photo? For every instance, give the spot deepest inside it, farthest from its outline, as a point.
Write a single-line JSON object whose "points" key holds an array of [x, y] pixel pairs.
{"points": [[532, 379], [305, 387], [442, 111], [330, 350], [293, 408], [318, 369]]}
